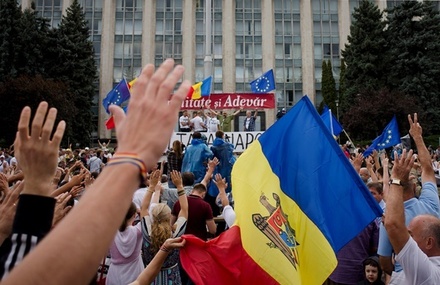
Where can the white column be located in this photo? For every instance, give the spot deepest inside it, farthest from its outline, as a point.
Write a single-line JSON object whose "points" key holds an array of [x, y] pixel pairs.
{"points": [[106, 64], [344, 22], [307, 48], [189, 39], [228, 46], [25, 4], [381, 4], [66, 4], [148, 31], [268, 32]]}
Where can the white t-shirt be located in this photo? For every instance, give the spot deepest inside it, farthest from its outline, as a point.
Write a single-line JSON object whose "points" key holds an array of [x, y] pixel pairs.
{"points": [[213, 125], [198, 124], [418, 268], [184, 122]]}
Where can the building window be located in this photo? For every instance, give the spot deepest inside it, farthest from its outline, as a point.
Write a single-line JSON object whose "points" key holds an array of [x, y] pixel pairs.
{"points": [[127, 61], [168, 36]]}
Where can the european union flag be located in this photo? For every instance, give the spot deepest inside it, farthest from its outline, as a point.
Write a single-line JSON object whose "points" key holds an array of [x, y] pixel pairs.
{"points": [[117, 96], [389, 137], [264, 83], [331, 122]]}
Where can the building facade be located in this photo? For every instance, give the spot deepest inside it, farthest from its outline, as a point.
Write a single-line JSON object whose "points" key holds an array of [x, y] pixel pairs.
{"points": [[247, 36]]}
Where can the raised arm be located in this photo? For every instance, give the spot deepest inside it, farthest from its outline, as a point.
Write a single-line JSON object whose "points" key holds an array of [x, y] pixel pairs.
{"points": [[228, 212], [386, 177], [415, 131], [395, 215], [86, 233], [211, 167], [237, 112], [256, 113], [154, 180], [153, 268], [183, 200], [211, 110]]}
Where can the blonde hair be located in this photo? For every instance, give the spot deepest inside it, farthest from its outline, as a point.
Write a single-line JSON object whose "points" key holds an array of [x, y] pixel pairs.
{"points": [[161, 227]]}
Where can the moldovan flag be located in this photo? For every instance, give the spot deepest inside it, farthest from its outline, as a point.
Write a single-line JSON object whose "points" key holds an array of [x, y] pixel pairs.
{"points": [[200, 89], [298, 201]]}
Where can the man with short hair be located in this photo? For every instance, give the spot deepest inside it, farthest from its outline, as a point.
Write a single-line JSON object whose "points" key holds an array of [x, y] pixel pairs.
{"points": [[184, 122], [249, 121], [417, 247], [197, 123], [212, 122], [427, 203]]}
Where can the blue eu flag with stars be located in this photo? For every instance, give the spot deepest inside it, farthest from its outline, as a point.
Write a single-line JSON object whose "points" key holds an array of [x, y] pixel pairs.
{"points": [[264, 83], [389, 137], [117, 96]]}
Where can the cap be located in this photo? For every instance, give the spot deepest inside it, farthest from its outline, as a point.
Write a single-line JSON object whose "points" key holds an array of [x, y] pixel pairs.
{"points": [[2, 156], [86, 148]]}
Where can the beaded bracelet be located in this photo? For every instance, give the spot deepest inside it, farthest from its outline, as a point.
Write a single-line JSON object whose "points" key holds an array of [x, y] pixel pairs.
{"points": [[130, 158]]}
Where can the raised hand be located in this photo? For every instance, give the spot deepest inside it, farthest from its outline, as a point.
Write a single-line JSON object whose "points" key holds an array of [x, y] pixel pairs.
{"points": [[152, 108], [36, 150]]}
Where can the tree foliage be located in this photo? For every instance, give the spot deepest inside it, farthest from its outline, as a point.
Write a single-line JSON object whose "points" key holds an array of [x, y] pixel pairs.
{"points": [[76, 67], [27, 90], [364, 53], [38, 63], [328, 86], [414, 57], [401, 54], [373, 110], [10, 17]]}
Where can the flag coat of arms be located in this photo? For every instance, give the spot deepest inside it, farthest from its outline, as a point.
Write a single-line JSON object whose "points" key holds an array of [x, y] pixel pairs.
{"points": [[298, 201]]}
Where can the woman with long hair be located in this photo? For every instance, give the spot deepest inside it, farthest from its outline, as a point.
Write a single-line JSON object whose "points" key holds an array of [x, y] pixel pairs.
{"points": [[157, 228], [126, 262], [174, 159]]}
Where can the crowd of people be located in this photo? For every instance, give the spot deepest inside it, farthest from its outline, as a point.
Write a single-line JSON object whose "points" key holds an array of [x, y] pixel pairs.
{"points": [[63, 210]]}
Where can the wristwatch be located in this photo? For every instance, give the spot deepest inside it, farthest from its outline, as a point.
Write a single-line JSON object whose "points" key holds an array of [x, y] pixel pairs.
{"points": [[396, 182]]}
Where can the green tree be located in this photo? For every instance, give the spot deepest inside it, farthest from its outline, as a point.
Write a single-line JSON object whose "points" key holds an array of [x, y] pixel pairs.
{"points": [[10, 17], [26, 90], [372, 110], [33, 42], [414, 57], [328, 86], [75, 65], [364, 53], [342, 87]]}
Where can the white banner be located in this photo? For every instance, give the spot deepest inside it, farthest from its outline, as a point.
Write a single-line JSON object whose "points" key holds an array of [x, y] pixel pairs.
{"points": [[240, 140]]}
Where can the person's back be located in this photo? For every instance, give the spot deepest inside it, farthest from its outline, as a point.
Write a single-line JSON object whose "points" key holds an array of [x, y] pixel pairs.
{"points": [[195, 157], [125, 250], [199, 214]]}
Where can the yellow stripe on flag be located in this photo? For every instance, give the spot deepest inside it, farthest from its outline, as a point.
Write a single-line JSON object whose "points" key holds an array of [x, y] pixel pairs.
{"points": [[266, 217], [197, 93]]}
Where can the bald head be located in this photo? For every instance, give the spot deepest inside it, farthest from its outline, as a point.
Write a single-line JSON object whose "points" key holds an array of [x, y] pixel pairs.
{"points": [[425, 230]]}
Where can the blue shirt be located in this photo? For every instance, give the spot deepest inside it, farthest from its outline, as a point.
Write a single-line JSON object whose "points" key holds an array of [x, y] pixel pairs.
{"points": [[427, 203]]}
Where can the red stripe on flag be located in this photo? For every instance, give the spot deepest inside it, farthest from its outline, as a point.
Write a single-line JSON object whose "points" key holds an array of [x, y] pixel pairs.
{"points": [[110, 124], [222, 260], [189, 94]]}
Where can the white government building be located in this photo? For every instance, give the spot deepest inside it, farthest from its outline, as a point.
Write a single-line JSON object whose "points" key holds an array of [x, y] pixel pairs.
{"points": [[249, 36]]}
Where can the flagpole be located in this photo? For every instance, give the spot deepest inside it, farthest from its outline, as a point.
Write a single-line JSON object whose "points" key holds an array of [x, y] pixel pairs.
{"points": [[348, 137], [331, 122], [207, 62]]}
